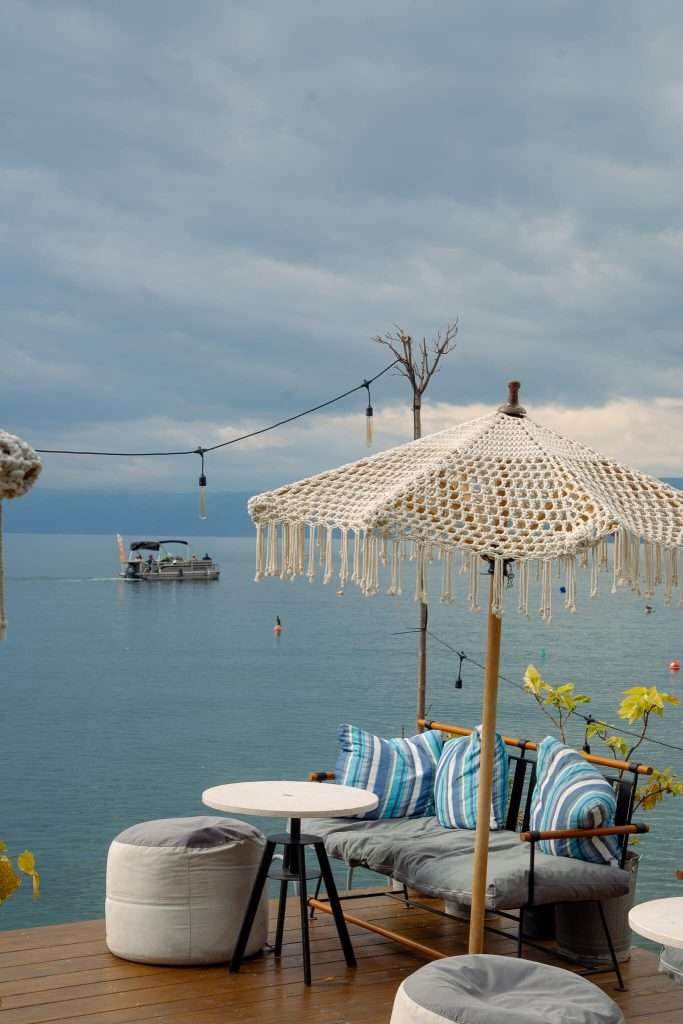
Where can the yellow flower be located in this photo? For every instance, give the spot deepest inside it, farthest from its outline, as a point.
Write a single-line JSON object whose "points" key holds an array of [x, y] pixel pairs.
{"points": [[9, 879], [26, 862]]}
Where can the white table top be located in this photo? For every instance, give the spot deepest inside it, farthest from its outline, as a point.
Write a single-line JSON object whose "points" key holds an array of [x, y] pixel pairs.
{"points": [[659, 920], [284, 799]]}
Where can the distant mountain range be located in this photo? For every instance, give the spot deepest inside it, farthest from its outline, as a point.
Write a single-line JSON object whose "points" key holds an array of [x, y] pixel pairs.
{"points": [[136, 514]]}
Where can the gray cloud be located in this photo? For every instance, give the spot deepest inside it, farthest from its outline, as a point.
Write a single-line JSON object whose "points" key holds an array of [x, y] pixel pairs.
{"points": [[207, 210]]}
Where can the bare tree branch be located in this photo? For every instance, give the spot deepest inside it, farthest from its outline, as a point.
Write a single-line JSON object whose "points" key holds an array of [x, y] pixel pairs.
{"points": [[419, 366]]}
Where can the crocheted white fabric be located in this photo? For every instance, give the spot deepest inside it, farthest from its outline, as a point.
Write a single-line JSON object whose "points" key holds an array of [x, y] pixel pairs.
{"points": [[498, 487], [19, 469]]}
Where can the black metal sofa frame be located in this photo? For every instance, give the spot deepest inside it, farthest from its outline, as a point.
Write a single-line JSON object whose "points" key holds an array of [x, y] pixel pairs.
{"points": [[624, 778]]}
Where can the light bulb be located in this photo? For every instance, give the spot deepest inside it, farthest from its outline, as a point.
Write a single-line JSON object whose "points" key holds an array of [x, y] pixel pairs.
{"points": [[369, 426], [202, 497]]}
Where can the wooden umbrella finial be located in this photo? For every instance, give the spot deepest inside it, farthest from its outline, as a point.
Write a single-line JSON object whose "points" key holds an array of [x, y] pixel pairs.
{"points": [[512, 406]]}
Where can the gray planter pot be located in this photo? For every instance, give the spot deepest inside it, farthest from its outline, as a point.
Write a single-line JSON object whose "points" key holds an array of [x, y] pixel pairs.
{"points": [[579, 931]]}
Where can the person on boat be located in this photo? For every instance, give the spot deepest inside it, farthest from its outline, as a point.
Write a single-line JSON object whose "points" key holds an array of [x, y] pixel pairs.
{"points": [[207, 557]]}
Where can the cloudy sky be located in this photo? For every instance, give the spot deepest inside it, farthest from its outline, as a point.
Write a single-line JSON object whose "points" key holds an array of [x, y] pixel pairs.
{"points": [[208, 209]]}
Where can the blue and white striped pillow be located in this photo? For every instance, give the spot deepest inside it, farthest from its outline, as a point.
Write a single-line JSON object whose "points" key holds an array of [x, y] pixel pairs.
{"points": [[571, 793], [399, 771], [456, 787]]}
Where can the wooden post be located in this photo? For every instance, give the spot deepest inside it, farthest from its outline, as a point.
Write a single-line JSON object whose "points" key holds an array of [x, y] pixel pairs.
{"points": [[422, 667], [488, 738]]}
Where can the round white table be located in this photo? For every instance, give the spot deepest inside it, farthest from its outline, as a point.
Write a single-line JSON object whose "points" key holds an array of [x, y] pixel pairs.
{"points": [[292, 800], [659, 920]]}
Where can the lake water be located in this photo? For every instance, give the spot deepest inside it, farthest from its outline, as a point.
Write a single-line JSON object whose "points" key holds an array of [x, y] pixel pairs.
{"points": [[123, 702]]}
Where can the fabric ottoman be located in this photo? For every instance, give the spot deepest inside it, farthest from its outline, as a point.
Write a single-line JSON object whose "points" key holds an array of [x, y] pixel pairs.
{"points": [[491, 989], [177, 890]]}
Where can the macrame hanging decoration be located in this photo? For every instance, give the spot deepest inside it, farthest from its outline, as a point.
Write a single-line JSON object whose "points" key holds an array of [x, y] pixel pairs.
{"points": [[19, 469], [512, 497]]}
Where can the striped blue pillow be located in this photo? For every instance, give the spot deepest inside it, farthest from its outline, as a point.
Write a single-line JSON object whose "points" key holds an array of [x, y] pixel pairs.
{"points": [[400, 772], [456, 787], [571, 793]]}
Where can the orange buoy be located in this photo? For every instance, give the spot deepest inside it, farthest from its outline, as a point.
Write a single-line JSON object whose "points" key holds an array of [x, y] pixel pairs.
{"points": [[674, 666]]}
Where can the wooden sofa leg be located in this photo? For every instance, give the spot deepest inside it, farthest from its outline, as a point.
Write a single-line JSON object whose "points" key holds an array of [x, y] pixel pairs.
{"points": [[615, 962]]}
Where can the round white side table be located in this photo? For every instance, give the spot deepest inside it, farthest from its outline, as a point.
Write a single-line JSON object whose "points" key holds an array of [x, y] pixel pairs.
{"points": [[659, 920], [292, 800]]}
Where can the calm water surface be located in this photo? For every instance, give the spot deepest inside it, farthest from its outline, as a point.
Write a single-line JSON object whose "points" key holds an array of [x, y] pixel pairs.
{"points": [[123, 702]]}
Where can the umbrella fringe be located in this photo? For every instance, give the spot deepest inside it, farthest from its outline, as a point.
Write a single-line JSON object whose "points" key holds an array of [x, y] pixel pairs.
{"points": [[310, 571], [344, 558], [523, 587], [421, 562], [473, 581], [498, 592], [447, 595], [282, 549], [329, 559], [394, 589], [260, 553]]}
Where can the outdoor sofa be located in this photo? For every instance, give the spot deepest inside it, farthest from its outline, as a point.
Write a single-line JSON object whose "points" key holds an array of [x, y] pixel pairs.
{"points": [[421, 855]]}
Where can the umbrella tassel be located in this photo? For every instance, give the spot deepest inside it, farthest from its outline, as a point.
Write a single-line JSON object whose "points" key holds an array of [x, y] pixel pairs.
{"points": [[284, 568], [300, 549], [473, 589], [384, 555], [649, 570], [356, 574], [365, 563], [344, 558], [668, 576], [310, 572], [658, 564], [395, 585], [329, 557], [447, 596], [546, 610], [464, 564], [271, 569], [583, 558], [603, 555], [260, 553], [595, 566], [570, 579], [618, 560], [421, 572], [523, 587], [498, 594]]}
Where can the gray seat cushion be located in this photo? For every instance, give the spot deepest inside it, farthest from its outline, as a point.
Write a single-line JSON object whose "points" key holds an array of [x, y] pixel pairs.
{"points": [[438, 862], [198, 833], [491, 989]]}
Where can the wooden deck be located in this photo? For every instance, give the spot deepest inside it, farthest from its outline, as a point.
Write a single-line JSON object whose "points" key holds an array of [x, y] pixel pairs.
{"points": [[64, 973]]}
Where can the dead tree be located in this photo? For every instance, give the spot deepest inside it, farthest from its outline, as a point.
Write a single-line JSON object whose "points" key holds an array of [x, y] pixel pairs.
{"points": [[418, 363]]}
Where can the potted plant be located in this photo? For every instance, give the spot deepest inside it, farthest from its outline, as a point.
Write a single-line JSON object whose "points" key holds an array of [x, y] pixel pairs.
{"points": [[578, 928]]}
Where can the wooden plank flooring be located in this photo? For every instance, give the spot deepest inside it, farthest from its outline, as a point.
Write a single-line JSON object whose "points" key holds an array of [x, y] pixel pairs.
{"points": [[65, 973]]}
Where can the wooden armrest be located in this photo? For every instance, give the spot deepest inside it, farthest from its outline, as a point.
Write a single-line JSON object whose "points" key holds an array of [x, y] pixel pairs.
{"points": [[585, 833], [321, 776]]}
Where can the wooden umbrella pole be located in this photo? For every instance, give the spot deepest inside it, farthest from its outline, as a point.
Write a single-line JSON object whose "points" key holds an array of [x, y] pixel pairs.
{"points": [[422, 667], [488, 739]]}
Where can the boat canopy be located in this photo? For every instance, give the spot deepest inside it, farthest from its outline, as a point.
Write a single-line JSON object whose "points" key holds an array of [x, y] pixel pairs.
{"points": [[154, 545]]}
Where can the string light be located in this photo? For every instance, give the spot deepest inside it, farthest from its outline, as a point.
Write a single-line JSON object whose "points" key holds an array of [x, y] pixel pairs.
{"points": [[369, 426], [201, 450], [202, 486]]}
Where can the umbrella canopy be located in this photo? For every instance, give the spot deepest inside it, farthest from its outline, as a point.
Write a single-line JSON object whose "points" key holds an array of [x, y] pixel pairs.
{"points": [[501, 488]]}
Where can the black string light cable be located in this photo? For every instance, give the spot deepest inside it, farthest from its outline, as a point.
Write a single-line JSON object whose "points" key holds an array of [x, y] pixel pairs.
{"points": [[588, 719], [202, 451]]}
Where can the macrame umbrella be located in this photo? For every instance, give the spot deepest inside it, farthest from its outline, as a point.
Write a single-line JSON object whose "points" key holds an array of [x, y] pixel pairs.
{"points": [[501, 488], [19, 469]]}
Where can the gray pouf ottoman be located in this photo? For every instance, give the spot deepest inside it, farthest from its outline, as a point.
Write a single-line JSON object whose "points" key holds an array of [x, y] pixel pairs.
{"points": [[177, 890], [495, 989]]}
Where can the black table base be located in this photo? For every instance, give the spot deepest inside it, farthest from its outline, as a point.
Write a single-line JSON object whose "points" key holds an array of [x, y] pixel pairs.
{"points": [[293, 870]]}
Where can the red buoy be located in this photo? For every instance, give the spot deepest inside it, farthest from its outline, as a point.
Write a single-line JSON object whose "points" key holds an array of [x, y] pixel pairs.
{"points": [[674, 666]]}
